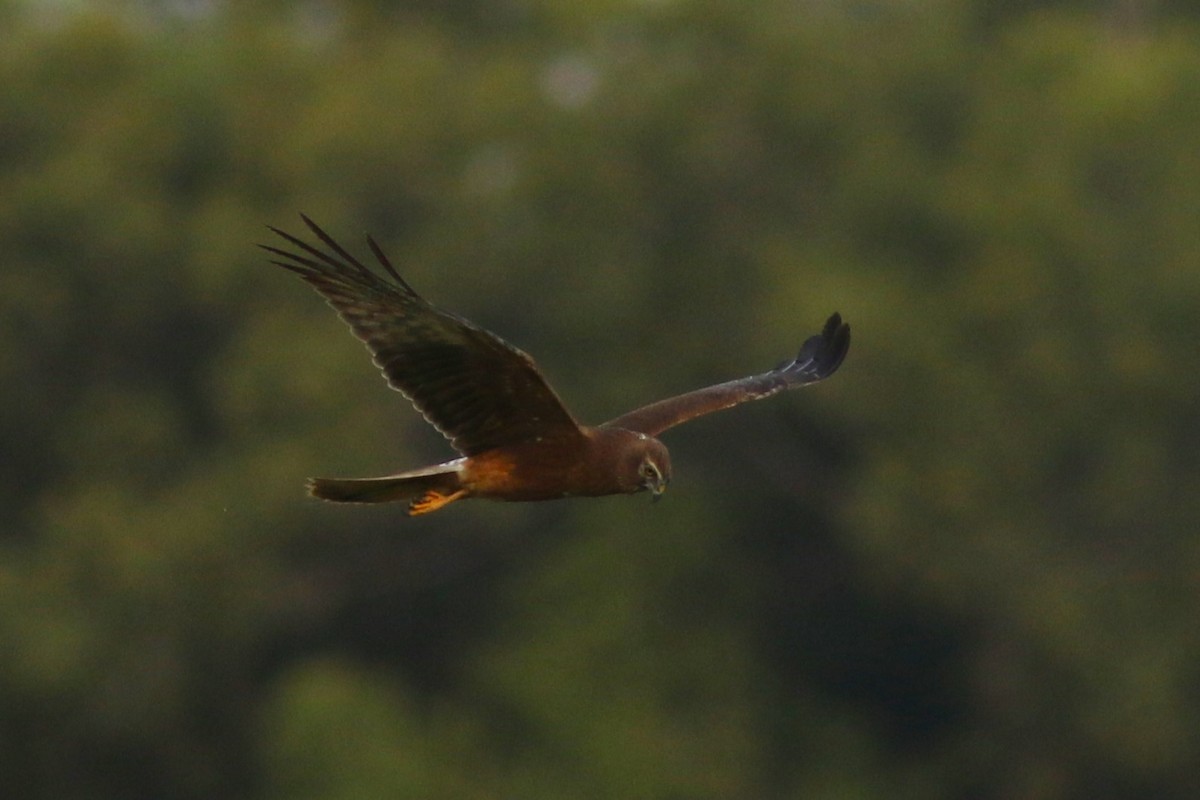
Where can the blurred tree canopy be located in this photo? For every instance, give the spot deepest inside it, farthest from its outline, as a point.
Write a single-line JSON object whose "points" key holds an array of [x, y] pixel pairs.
{"points": [[966, 567]]}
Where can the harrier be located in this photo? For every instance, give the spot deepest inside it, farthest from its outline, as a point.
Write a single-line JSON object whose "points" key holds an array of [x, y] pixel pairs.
{"points": [[516, 439]]}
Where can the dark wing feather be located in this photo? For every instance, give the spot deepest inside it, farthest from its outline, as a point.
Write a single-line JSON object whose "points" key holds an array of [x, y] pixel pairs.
{"points": [[819, 358], [479, 391]]}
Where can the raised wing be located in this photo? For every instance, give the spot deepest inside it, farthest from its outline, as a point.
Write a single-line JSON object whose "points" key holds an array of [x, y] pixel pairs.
{"points": [[479, 391], [819, 358]]}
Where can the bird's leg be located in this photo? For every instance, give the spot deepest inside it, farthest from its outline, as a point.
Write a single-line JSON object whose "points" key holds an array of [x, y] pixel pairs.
{"points": [[432, 501]]}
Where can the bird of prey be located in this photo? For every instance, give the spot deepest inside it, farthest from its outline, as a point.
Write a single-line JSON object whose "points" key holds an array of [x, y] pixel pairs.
{"points": [[516, 439]]}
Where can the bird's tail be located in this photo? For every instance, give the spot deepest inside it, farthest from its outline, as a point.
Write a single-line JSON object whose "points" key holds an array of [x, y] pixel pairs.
{"points": [[428, 489]]}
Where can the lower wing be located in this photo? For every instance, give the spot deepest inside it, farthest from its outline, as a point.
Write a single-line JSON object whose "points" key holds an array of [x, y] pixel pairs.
{"points": [[819, 357]]}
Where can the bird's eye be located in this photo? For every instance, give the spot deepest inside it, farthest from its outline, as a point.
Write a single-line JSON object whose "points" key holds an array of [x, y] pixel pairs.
{"points": [[648, 470]]}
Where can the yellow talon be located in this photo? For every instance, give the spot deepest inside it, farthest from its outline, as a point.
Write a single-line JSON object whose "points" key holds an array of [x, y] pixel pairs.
{"points": [[432, 501]]}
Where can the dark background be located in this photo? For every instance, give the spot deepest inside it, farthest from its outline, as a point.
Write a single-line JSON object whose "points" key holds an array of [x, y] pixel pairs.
{"points": [[965, 567]]}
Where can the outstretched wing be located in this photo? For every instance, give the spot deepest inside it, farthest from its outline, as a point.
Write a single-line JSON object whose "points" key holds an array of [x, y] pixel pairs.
{"points": [[479, 391], [819, 358]]}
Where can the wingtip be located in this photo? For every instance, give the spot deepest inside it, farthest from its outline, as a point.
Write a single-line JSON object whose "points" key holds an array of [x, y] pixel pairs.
{"points": [[822, 354], [316, 229], [280, 232], [836, 343]]}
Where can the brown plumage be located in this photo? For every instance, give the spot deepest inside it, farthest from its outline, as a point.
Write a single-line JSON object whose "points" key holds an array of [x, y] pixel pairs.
{"points": [[517, 440]]}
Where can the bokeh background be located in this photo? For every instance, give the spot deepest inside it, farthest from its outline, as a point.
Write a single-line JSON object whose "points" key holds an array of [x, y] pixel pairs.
{"points": [[965, 567]]}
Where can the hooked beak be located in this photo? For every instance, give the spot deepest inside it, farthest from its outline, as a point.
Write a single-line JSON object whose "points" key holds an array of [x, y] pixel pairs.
{"points": [[656, 486]]}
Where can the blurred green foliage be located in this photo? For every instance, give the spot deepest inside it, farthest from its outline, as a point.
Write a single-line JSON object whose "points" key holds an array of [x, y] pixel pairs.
{"points": [[966, 567]]}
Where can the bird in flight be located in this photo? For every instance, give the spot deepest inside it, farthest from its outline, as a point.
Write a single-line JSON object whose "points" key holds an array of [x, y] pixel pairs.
{"points": [[516, 439]]}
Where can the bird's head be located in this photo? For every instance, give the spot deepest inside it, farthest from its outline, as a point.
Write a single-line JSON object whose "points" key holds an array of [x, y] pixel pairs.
{"points": [[648, 466]]}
